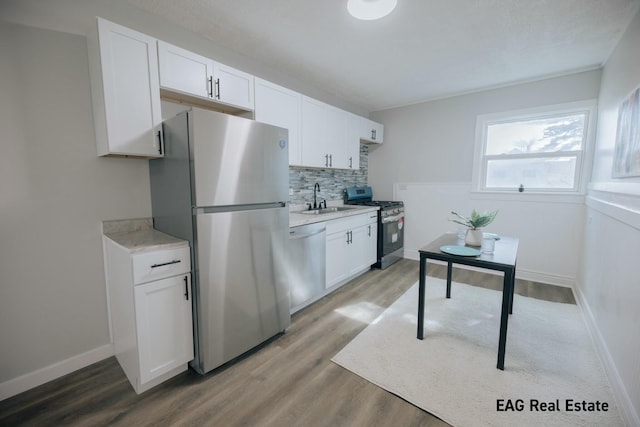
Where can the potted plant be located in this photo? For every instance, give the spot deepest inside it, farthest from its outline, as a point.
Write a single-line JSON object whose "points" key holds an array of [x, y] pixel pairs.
{"points": [[474, 223]]}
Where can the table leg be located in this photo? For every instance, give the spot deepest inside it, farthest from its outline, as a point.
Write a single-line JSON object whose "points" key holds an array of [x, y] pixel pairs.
{"points": [[504, 317], [421, 285], [449, 264], [513, 289]]}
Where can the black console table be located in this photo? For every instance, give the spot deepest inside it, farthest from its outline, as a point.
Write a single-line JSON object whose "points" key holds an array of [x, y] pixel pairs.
{"points": [[502, 259]]}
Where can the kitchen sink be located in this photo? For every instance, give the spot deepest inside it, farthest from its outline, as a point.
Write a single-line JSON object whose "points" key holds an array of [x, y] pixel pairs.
{"points": [[330, 209]]}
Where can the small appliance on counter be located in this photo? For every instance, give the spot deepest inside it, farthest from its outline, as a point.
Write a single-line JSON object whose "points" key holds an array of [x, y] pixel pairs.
{"points": [[390, 224]]}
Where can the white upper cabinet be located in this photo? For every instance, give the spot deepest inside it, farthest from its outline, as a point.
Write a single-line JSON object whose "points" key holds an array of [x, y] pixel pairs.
{"points": [[184, 71], [353, 129], [327, 141], [315, 149], [233, 87], [129, 69], [125, 92], [279, 106], [188, 73], [371, 131]]}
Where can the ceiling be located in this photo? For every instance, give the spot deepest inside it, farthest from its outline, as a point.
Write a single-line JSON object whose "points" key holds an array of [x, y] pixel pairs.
{"points": [[423, 50]]}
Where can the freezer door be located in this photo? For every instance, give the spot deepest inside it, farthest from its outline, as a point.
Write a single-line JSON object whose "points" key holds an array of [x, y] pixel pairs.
{"points": [[237, 161], [243, 294]]}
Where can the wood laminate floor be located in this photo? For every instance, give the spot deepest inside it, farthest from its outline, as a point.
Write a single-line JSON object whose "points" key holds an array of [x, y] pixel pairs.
{"points": [[291, 381]]}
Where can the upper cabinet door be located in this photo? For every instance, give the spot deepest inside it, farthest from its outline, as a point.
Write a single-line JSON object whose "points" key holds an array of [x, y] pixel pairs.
{"points": [[328, 136], [184, 71], [126, 92], [371, 131], [315, 134], [233, 87], [353, 140], [279, 106], [338, 144]]}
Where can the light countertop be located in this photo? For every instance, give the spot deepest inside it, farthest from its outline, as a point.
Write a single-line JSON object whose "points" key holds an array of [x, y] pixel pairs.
{"points": [[297, 219], [137, 235]]}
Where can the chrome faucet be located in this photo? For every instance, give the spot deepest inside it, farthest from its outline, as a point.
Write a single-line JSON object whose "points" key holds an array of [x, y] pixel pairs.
{"points": [[315, 188]]}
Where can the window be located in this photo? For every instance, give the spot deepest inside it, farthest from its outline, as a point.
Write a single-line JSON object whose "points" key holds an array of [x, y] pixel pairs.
{"points": [[540, 150]]}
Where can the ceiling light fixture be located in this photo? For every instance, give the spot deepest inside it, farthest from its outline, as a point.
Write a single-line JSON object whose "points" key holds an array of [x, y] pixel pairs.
{"points": [[370, 9]]}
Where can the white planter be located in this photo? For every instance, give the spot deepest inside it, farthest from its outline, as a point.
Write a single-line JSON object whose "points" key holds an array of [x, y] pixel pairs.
{"points": [[473, 237]]}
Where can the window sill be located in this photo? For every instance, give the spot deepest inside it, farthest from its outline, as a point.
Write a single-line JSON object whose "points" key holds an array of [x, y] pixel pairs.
{"points": [[573, 198]]}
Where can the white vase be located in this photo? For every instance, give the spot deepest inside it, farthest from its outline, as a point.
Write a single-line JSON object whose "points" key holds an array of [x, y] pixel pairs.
{"points": [[473, 237]]}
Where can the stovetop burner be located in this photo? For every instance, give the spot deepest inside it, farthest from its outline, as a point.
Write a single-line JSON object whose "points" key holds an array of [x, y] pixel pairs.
{"points": [[380, 203]]}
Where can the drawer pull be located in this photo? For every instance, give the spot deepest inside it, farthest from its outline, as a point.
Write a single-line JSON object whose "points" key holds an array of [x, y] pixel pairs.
{"points": [[175, 261]]}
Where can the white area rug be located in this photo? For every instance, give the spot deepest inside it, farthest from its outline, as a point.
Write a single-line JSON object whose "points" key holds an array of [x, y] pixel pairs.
{"points": [[452, 373]]}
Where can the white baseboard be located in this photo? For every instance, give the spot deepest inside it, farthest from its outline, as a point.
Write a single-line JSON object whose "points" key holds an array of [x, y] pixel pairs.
{"points": [[629, 415], [41, 376], [534, 276]]}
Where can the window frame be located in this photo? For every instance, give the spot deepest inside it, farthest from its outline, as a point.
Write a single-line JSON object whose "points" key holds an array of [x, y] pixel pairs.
{"points": [[583, 157]]}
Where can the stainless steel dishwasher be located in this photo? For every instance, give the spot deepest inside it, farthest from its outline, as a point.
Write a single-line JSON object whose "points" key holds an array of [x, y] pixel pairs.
{"points": [[307, 264]]}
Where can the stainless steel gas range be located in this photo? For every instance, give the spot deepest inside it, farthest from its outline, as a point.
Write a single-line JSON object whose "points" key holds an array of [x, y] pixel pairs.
{"points": [[390, 224]]}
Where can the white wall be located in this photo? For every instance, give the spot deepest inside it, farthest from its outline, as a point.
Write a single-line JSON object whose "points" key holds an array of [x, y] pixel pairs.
{"points": [[552, 229], [609, 284], [427, 160]]}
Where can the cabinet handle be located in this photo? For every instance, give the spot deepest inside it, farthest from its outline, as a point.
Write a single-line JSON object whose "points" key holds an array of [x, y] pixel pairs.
{"points": [[330, 160], [175, 261], [326, 160], [217, 88], [210, 87], [160, 142], [369, 230], [186, 288], [348, 238], [373, 134], [350, 162]]}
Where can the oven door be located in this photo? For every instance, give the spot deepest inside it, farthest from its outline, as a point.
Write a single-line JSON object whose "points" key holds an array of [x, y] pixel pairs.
{"points": [[392, 233]]}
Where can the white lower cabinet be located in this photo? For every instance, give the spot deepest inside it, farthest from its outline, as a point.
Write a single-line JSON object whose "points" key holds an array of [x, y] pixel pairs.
{"points": [[150, 311], [351, 247], [163, 323]]}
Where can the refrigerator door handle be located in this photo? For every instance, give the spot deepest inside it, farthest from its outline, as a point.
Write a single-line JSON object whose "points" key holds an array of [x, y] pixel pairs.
{"points": [[236, 208]]}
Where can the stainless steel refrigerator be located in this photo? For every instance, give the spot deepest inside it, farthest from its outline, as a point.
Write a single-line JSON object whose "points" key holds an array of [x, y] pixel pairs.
{"points": [[223, 186]]}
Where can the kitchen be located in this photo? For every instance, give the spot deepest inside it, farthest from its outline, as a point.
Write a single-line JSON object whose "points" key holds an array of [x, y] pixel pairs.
{"points": [[57, 174]]}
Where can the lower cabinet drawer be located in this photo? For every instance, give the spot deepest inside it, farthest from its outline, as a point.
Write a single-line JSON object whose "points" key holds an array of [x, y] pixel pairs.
{"points": [[350, 222], [158, 264]]}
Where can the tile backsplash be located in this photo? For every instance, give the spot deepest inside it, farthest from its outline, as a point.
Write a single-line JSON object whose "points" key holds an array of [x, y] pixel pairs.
{"points": [[332, 181]]}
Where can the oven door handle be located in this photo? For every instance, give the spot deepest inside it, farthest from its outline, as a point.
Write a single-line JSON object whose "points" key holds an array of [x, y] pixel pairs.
{"points": [[392, 218]]}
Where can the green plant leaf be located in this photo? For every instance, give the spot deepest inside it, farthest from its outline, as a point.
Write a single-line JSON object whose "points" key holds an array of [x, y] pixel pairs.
{"points": [[476, 219]]}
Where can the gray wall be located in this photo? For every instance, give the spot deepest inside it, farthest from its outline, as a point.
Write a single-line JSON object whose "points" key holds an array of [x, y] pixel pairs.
{"points": [[55, 193]]}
